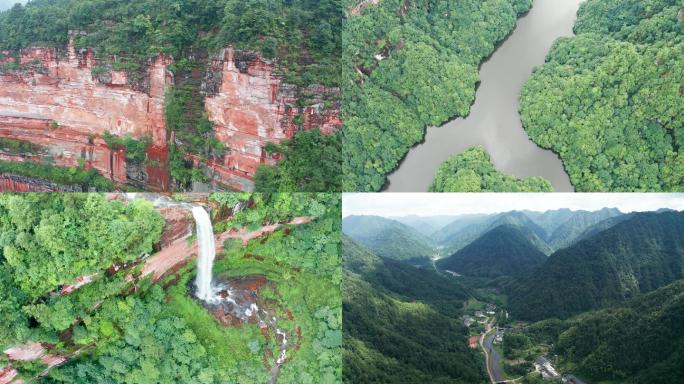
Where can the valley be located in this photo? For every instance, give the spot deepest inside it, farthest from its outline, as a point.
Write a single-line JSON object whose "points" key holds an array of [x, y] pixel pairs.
{"points": [[540, 295]]}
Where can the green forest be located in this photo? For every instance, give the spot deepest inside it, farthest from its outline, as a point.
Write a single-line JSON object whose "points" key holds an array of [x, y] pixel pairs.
{"points": [[503, 251], [124, 328], [635, 256], [399, 62], [473, 171], [609, 101], [133, 31], [388, 238], [401, 324], [635, 342]]}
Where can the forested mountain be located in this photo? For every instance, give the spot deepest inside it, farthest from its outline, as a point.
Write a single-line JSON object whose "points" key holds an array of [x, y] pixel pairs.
{"points": [[575, 225], [473, 171], [634, 256], [400, 60], [426, 225], [504, 251], [639, 341], [550, 220], [458, 224], [609, 101], [388, 238], [401, 324], [457, 236]]}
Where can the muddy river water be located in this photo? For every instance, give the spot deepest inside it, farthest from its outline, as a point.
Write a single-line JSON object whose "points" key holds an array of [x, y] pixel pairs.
{"points": [[494, 121]]}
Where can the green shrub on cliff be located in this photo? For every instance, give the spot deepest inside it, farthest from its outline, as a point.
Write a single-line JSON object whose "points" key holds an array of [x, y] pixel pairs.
{"points": [[312, 163], [73, 176], [472, 171]]}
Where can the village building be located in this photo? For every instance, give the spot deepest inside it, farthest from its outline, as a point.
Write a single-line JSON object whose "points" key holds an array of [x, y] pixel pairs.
{"points": [[543, 366]]}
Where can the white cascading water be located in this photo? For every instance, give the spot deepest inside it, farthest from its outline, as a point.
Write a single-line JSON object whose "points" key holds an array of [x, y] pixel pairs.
{"points": [[207, 252]]}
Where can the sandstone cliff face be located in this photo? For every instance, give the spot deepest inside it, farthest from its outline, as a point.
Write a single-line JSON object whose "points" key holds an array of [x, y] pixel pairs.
{"points": [[250, 107], [57, 102]]}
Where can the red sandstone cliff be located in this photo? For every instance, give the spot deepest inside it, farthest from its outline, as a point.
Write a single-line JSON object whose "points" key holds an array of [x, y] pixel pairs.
{"points": [[252, 107], [55, 101]]}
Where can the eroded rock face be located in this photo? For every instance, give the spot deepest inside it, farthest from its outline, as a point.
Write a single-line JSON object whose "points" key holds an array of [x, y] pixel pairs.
{"points": [[16, 183], [58, 103], [250, 107]]}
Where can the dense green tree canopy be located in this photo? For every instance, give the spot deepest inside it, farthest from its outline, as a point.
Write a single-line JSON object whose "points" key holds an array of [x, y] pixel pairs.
{"points": [[407, 65], [400, 324], [636, 342], [637, 255], [51, 239], [609, 101], [473, 171], [312, 163], [299, 33], [504, 251]]}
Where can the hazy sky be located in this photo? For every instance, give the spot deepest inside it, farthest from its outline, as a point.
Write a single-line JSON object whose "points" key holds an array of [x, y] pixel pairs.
{"points": [[428, 204], [7, 4]]}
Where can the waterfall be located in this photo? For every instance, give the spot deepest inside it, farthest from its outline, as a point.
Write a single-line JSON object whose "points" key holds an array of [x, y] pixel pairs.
{"points": [[207, 252]]}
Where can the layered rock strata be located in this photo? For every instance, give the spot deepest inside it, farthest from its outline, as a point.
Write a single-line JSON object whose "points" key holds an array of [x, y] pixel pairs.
{"points": [[62, 102]]}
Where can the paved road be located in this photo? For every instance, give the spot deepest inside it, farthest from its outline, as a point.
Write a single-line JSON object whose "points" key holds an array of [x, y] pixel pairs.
{"points": [[493, 359]]}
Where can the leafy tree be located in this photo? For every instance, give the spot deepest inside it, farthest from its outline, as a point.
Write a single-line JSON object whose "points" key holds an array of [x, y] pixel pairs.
{"points": [[472, 171], [312, 163]]}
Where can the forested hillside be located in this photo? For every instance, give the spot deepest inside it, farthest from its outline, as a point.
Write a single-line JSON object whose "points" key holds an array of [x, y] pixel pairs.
{"points": [[133, 31], [399, 62], [609, 101], [388, 238], [400, 324], [456, 236], [73, 284], [579, 222], [473, 171], [504, 251], [636, 256], [636, 342]]}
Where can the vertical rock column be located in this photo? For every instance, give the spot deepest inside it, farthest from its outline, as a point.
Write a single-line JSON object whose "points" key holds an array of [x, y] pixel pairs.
{"points": [[158, 153]]}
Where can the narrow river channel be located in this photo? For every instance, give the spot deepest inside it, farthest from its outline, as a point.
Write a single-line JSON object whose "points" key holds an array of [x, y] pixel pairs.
{"points": [[494, 121]]}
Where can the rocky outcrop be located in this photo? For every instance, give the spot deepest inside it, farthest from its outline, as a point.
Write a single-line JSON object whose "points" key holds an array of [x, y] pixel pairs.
{"points": [[16, 183], [65, 101], [52, 98], [250, 106]]}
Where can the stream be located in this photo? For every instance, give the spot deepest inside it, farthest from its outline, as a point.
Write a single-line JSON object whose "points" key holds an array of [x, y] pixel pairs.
{"points": [[494, 121]]}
